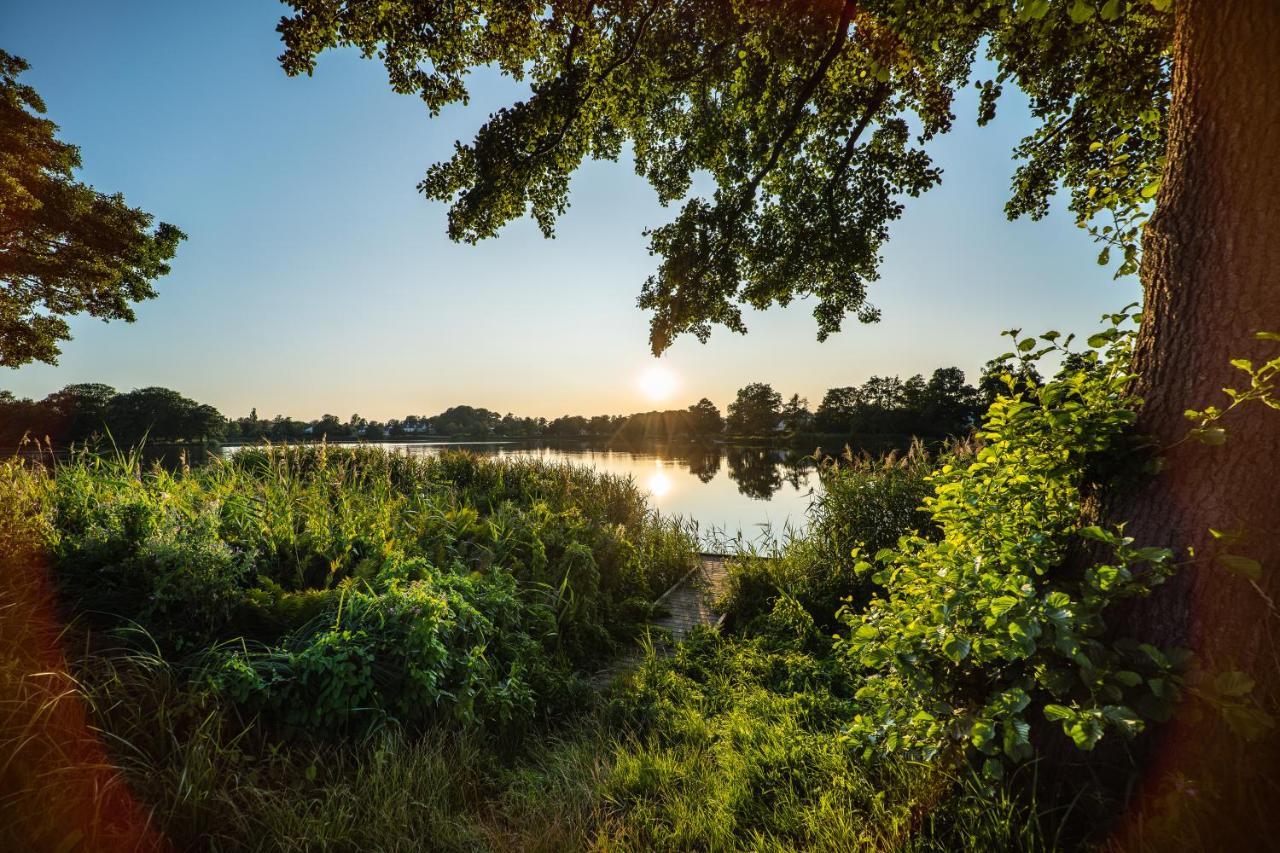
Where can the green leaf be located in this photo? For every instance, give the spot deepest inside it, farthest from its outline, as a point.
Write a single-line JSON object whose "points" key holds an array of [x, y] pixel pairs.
{"points": [[1081, 11], [1124, 718], [1110, 10], [1249, 722], [1128, 678], [1212, 436], [1026, 344], [1101, 339], [1059, 713], [1057, 600], [1097, 534], [993, 769], [1245, 566], [1002, 605], [956, 648], [1233, 684]]}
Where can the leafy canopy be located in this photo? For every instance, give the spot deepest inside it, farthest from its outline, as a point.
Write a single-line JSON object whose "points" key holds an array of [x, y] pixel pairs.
{"points": [[65, 248], [811, 118]]}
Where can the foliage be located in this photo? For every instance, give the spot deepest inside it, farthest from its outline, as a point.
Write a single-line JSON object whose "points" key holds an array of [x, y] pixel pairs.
{"points": [[736, 746], [811, 119], [756, 411], [945, 405], [342, 588], [865, 504], [90, 412], [990, 626], [65, 248]]}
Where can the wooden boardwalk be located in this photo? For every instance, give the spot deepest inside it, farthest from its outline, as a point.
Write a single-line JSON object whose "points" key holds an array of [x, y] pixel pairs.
{"points": [[683, 607], [688, 603]]}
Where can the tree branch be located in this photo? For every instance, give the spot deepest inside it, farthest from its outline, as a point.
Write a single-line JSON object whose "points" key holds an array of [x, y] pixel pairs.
{"points": [[806, 92]]}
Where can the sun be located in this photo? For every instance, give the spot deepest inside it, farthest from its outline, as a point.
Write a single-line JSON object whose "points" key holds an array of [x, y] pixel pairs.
{"points": [[657, 383]]}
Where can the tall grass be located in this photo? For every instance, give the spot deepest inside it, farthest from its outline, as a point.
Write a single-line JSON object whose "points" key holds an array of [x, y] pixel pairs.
{"points": [[127, 595]]}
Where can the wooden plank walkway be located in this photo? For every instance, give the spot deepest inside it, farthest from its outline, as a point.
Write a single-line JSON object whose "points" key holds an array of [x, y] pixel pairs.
{"points": [[688, 603], [684, 607]]}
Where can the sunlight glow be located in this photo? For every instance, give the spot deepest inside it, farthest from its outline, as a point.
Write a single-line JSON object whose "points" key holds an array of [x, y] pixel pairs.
{"points": [[658, 484], [657, 383]]}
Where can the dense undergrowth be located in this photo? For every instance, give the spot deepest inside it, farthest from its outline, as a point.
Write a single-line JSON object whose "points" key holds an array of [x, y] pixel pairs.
{"points": [[311, 649]]}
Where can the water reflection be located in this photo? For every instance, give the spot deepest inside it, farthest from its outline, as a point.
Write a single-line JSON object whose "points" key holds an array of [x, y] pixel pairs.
{"points": [[756, 471], [658, 484]]}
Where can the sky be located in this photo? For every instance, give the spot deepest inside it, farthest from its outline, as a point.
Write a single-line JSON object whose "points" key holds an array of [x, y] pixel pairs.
{"points": [[316, 279]]}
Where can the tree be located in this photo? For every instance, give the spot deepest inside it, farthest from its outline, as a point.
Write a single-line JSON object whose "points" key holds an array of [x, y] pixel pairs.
{"points": [[798, 112], [756, 411], [65, 248], [836, 411], [160, 414], [705, 419], [78, 411], [796, 414], [949, 405]]}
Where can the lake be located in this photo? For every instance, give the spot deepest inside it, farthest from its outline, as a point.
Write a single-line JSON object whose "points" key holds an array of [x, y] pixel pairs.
{"points": [[755, 492]]}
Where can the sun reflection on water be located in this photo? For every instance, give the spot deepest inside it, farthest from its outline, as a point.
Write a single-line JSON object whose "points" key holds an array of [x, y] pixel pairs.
{"points": [[658, 483]]}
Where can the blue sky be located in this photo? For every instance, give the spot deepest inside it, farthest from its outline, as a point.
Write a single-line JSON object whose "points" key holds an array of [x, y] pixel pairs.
{"points": [[316, 279]]}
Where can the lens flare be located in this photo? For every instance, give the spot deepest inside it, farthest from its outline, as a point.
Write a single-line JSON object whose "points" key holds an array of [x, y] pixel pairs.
{"points": [[657, 383]]}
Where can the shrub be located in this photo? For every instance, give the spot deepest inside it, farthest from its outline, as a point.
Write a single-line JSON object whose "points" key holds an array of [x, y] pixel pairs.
{"points": [[987, 626], [865, 504]]}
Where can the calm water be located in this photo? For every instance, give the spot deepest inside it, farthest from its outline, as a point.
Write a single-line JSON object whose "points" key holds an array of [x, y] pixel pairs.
{"points": [[752, 491]]}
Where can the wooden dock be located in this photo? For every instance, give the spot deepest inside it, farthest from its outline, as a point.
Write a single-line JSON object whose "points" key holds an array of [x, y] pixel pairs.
{"points": [[683, 607], [688, 603]]}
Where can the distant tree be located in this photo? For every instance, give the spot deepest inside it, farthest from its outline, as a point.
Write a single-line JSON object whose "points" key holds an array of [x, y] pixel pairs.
{"points": [[796, 414], [705, 419], [161, 414], [950, 406], [604, 426], [65, 248], [466, 421], [19, 418], [204, 423], [329, 427], [992, 383], [567, 426], [756, 411], [77, 411], [837, 410]]}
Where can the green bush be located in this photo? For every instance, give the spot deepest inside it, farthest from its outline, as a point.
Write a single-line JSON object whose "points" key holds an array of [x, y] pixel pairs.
{"points": [[337, 588], [988, 627], [865, 504]]}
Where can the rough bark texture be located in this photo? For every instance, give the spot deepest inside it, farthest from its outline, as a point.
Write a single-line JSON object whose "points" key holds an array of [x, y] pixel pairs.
{"points": [[1211, 278]]}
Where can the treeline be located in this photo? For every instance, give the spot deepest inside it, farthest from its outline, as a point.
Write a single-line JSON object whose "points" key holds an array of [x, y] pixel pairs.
{"points": [[942, 405], [699, 420], [86, 411]]}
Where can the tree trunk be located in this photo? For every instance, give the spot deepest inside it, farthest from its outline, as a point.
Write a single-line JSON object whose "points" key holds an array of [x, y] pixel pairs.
{"points": [[1211, 278]]}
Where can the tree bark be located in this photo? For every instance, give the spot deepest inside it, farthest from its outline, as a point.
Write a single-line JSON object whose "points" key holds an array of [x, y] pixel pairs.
{"points": [[1211, 278]]}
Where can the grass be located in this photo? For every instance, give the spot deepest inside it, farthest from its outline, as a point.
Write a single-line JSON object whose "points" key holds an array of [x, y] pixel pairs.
{"points": [[128, 595]]}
